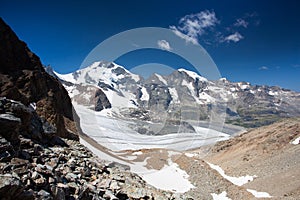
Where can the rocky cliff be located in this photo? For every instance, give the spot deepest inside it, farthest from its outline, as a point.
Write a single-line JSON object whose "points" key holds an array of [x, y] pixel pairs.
{"points": [[23, 78], [40, 157], [37, 164]]}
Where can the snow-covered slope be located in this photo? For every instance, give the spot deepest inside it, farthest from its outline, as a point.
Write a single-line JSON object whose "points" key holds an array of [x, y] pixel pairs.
{"points": [[105, 72], [182, 91]]}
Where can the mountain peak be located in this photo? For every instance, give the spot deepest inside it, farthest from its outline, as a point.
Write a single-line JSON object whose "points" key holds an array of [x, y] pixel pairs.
{"points": [[193, 75]]}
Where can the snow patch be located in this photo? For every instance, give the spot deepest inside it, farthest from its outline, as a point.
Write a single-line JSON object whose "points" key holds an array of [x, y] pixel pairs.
{"points": [[161, 179], [232, 89], [194, 75], [120, 101], [191, 89], [272, 93], [239, 181], [145, 95], [259, 194], [190, 155], [174, 95], [204, 96], [243, 86], [66, 77], [137, 153], [296, 141], [165, 178], [221, 196], [33, 106], [161, 79]]}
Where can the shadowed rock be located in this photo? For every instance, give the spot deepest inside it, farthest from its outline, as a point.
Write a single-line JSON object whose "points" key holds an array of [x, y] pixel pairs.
{"points": [[23, 78]]}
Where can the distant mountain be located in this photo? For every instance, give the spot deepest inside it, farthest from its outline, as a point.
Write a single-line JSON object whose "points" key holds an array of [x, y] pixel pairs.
{"points": [[183, 94]]}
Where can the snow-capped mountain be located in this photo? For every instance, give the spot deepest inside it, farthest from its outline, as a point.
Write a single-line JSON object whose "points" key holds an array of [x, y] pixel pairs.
{"points": [[182, 94]]}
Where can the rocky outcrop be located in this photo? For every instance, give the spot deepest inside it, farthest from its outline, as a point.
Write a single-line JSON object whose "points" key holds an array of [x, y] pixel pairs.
{"points": [[159, 97], [101, 101], [37, 164], [23, 78]]}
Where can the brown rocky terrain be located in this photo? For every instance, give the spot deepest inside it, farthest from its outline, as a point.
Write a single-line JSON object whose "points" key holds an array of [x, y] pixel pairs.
{"points": [[266, 152], [23, 78]]}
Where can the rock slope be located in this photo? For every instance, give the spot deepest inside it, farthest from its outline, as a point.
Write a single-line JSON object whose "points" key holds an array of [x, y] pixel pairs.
{"points": [[37, 164], [23, 78], [270, 152]]}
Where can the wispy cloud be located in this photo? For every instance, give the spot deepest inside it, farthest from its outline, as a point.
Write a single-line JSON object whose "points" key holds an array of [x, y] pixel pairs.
{"points": [[263, 68], [194, 25], [241, 23], [164, 45], [207, 28], [235, 37], [187, 38]]}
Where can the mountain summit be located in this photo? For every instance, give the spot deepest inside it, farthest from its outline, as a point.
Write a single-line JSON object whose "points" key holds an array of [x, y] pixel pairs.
{"points": [[182, 92]]}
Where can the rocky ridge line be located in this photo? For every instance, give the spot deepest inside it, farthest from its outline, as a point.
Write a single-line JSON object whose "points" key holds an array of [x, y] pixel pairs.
{"points": [[23, 78]]}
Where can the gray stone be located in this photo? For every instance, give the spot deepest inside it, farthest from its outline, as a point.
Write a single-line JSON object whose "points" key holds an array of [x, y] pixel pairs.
{"points": [[51, 180], [10, 187], [71, 177], [104, 183], [58, 193], [44, 195], [109, 195], [40, 181], [74, 188], [114, 185]]}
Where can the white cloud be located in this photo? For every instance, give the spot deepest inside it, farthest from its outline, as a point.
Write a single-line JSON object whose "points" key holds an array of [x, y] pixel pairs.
{"points": [[241, 23], [164, 45], [184, 36], [235, 37], [263, 68], [194, 25]]}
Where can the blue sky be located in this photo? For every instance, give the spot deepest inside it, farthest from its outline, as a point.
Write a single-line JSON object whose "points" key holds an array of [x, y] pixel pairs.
{"points": [[254, 41]]}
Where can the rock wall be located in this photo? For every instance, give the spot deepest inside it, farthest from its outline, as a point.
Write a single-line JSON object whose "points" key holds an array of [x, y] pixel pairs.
{"points": [[23, 78]]}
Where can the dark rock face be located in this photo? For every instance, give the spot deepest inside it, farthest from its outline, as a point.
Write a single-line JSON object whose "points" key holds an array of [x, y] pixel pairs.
{"points": [[105, 86], [23, 78], [160, 97], [119, 71], [17, 119], [101, 101], [36, 164]]}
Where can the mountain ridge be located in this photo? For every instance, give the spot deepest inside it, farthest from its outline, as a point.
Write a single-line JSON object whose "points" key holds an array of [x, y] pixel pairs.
{"points": [[186, 91], [23, 78]]}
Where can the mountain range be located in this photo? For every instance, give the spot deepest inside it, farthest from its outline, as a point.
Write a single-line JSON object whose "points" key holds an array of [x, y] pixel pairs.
{"points": [[180, 96]]}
